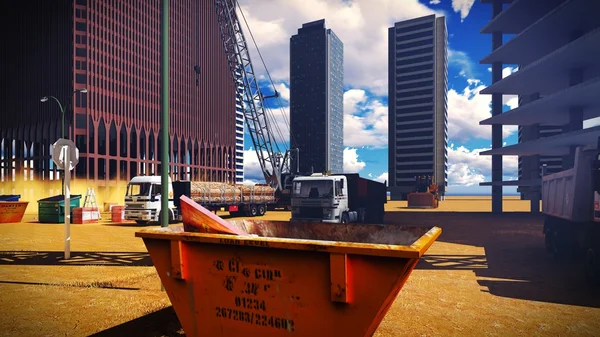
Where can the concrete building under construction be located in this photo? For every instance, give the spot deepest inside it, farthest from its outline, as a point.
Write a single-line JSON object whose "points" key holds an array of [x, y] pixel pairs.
{"points": [[112, 49]]}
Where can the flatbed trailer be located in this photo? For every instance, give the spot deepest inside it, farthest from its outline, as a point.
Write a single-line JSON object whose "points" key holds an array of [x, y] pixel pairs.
{"points": [[238, 200]]}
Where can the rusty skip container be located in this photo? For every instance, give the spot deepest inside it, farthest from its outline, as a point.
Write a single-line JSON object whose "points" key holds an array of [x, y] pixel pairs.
{"points": [[293, 279]]}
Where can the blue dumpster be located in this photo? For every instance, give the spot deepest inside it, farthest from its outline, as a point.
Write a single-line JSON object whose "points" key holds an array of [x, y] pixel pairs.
{"points": [[10, 197]]}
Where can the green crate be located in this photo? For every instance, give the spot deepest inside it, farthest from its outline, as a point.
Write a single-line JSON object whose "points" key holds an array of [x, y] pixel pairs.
{"points": [[52, 209]]}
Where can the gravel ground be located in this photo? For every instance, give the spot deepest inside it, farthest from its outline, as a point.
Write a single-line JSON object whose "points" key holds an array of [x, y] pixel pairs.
{"points": [[485, 275]]}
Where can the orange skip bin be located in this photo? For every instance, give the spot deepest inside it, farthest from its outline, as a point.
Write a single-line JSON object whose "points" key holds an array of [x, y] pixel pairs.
{"points": [[293, 279], [12, 211]]}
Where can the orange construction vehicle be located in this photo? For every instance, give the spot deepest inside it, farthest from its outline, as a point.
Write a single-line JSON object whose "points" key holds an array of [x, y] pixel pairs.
{"points": [[425, 194]]}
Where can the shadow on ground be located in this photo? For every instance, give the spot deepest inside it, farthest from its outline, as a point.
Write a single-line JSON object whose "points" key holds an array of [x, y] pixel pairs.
{"points": [[515, 264], [135, 259], [163, 323], [103, 285]]}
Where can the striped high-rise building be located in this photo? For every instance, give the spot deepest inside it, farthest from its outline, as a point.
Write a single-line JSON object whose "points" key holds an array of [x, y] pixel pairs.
{"points": [[112, 48], [418, 108]]}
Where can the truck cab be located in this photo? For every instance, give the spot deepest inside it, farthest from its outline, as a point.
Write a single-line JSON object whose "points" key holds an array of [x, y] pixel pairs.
{"points": [[320, 198], [143, 200]]}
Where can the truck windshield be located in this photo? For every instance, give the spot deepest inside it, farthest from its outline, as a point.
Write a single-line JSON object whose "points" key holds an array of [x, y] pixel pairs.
{"points": [[138, 189], [313, 189]]}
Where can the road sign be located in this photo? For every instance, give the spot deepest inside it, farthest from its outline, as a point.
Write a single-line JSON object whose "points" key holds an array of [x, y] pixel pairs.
{"points": [[58, 155]]}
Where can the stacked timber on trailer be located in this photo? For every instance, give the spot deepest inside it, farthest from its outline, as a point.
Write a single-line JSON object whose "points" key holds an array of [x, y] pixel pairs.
{"points": [[214, 192]]}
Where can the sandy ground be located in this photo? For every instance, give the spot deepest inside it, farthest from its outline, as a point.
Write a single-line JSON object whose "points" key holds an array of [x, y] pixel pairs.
{"points": [[485, 275]]}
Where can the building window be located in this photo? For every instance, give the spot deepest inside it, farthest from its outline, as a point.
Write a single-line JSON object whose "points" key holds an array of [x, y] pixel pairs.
{"points": [[415, 52], [414, 85], [415, 60], [416, 101], [80, 52], [426, 25], [413, 36], [415, 44], [415, 142], [414, 69], [414, 77], [80, 78], [80, 26]]}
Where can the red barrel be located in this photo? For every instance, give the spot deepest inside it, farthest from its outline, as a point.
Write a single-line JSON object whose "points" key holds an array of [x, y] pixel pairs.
{"points": [[118, 213]]}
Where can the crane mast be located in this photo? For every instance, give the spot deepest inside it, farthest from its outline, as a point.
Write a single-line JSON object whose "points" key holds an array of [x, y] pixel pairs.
{"points": [[271, 162]]}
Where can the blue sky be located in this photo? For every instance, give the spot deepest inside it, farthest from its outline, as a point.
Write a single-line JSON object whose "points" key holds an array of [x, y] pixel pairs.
{"points": [[362, 27]]}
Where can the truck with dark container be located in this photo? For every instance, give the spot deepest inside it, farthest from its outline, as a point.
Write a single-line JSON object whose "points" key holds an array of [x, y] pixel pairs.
{"points": [[341, 198], [571, 207]]}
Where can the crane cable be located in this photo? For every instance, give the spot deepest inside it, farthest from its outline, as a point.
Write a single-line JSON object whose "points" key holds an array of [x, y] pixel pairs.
{"points": [[272, 83]]}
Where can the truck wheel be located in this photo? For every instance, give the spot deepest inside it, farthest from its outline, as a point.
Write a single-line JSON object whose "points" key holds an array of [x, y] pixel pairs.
{"points": [[344, 218], [592, 267], [170, 217], [253, 210], [556, 244], [262, 210], [141, 222], [548, 241]]}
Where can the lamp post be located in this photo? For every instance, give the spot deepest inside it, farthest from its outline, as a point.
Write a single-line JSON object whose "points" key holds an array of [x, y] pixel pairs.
{"points": [[62, 111]]}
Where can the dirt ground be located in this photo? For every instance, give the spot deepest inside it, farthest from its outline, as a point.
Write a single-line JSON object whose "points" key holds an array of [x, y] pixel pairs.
{"points": [[485, 275]]}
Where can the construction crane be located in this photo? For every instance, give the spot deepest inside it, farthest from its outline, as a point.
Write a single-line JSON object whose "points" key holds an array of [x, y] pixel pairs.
{"points": [[273, 162]]}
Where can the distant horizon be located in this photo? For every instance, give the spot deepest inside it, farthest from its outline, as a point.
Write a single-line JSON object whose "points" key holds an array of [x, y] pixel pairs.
{"points": [[476, 194]]}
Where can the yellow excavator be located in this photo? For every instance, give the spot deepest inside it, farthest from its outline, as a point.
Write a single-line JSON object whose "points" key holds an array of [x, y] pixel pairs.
{"points": [[425, 194]]}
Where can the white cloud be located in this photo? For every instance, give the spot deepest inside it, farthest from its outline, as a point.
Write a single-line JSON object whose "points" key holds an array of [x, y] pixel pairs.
{"points": [[252, 170], [466, 109], [382, 178], [279, 119], [511, 100], [365, 120], [284, 91], [462, 6], [351, 162], [467, 168], [361, 25], [434, 2], [461, 60]]}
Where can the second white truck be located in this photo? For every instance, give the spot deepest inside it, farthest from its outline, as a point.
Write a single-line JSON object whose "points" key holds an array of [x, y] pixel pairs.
{"points": [[341, 198]]}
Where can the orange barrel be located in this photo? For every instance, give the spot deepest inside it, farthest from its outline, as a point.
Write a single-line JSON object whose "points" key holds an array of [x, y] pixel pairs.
{"points": [[284, 278], [118, 213], [12, 211]]}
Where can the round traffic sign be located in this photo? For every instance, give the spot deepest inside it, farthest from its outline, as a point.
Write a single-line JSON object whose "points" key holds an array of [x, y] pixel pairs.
{"points": [[58, 155]]}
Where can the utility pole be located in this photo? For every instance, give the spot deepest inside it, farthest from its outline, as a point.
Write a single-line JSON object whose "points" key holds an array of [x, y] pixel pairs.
{"points": [[164, 120]]}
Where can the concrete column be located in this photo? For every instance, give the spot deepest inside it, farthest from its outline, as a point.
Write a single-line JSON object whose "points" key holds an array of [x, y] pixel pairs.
{"points": [[496, 110], [575, 118], [575, 113], [534, 172], [575, 123]]}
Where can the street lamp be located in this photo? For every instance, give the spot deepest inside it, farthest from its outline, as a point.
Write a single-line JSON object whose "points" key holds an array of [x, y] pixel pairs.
{"points": [[62, 111]]}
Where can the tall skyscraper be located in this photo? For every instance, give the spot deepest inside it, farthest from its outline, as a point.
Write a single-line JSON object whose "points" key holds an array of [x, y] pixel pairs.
{"points": [[316, 98], [418, 108]]}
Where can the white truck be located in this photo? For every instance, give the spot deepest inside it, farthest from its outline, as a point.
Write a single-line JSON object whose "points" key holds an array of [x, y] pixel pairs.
{"points": [[341, 198], [143, 200], [571, 206]]}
